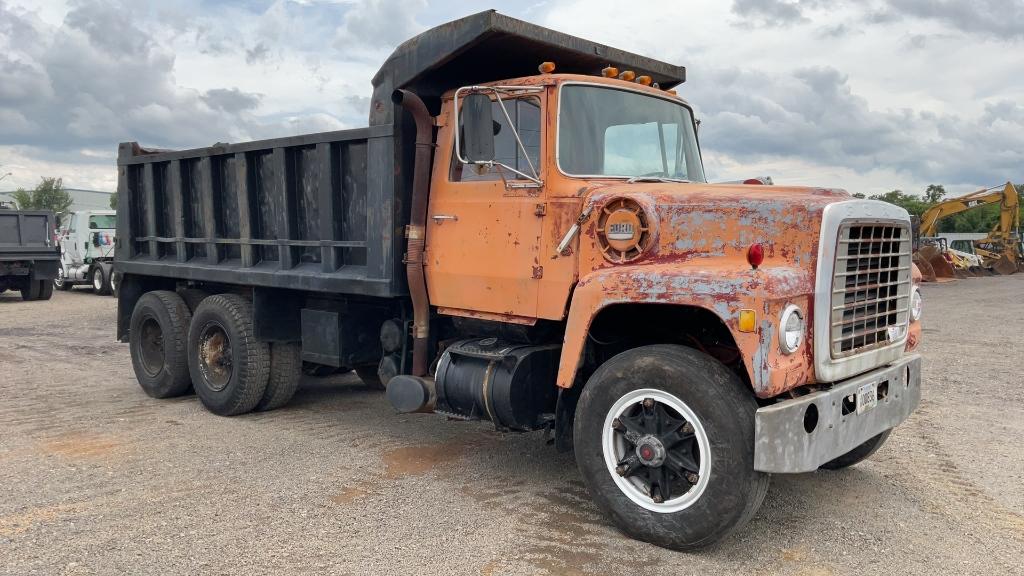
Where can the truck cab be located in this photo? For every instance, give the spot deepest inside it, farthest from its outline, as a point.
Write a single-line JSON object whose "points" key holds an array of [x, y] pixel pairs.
{"points": [[525, 235], [87, 251]]}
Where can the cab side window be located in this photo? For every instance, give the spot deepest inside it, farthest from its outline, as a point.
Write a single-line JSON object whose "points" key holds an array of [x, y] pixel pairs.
{"points": [[525, 115]]}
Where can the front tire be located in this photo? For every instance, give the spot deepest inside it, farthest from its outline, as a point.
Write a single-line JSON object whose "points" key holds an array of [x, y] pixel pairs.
{"points": [[229, 366], [858, 454], [61, 282], [664, 440], [157, 337], [100, 280]]}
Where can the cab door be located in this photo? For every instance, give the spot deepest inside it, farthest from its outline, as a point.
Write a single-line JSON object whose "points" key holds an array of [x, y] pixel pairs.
{"points": [[483, 236], [72, 250]]}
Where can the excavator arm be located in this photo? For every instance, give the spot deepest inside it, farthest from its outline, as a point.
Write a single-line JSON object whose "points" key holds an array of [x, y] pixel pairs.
{"points": [[1004, 237], [1009, 216]]}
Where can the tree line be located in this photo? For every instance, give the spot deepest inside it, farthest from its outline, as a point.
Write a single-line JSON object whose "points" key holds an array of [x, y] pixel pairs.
{"points": [[981, 219]]}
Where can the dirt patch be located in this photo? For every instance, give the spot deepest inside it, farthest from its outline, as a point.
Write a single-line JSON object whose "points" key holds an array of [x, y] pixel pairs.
{"points": [[81, 445], [350, 493], [419, 460], [15, 524]]}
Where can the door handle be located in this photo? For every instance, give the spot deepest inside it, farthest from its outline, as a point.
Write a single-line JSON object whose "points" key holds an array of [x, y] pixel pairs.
{"points": [[439, 218]]}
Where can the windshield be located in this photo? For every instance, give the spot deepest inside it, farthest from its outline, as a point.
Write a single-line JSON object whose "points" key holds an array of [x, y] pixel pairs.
{"points": [[102, 222], [620, 133]]}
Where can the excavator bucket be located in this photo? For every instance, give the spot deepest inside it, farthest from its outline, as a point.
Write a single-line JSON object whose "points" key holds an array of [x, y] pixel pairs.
{"points": [[927, 273], [1005, 265], [940, 266]]}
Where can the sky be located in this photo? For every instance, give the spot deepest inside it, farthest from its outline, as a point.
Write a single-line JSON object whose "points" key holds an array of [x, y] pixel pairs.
{"points": [[869, 96]]}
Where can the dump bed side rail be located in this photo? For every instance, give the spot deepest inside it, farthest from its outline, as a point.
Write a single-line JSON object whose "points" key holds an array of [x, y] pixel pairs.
{"points": [[314, 212]]}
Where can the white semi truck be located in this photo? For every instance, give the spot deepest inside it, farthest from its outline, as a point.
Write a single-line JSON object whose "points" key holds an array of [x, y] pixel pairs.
{"points": [[87, 251]]}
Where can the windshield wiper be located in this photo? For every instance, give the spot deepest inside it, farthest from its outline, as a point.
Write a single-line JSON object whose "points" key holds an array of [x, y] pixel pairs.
{"points": [[655, 179]]}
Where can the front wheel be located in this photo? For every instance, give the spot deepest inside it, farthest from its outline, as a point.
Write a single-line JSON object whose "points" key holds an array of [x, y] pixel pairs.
{"points": [[664, 440], [101, 280], [61, 282]]}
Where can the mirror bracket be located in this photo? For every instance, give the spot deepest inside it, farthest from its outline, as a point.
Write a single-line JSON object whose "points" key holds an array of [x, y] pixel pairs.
{"points": [[511, 91]]}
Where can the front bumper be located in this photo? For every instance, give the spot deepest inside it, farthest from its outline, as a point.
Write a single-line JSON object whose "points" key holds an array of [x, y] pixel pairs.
{"points": [[782, 442]]}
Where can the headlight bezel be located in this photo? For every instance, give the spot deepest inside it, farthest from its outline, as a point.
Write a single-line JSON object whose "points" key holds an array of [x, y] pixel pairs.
{"points": [[785, 345], [916, 304]]}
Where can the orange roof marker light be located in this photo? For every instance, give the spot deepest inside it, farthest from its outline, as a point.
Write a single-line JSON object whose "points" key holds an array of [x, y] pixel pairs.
{"points": [[645, 80], [546, 67], [610, 72], [628, 76]]}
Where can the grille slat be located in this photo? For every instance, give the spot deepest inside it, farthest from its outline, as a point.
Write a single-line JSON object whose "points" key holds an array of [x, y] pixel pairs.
{"points": [[870, 286]]}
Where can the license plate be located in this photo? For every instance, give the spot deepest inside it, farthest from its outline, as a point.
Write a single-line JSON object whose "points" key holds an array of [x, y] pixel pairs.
{"points": [[867, 397]]}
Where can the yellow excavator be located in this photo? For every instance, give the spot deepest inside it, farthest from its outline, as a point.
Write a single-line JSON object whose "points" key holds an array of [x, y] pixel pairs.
{"points": [[1001, 250]]}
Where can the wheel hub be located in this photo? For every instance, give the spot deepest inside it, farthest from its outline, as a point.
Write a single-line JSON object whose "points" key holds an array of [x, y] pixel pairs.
{"points": [[651, 451], [215, 357]]}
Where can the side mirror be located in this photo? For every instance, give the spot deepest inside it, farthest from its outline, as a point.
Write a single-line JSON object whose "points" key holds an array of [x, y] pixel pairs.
{"points": [[477, 129]]}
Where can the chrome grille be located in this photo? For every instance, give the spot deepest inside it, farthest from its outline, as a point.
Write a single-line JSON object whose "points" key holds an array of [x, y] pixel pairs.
{"points": [[871, 286]]}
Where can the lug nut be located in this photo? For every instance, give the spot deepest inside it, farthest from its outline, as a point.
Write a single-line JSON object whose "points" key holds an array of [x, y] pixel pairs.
{"points": [[648, 403], [620, 470], [617, 424], [658, 499], [687, 428], [692, 478]]}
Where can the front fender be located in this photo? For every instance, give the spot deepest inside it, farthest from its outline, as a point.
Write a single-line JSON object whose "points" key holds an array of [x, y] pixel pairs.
{"points": [[724, 291]]}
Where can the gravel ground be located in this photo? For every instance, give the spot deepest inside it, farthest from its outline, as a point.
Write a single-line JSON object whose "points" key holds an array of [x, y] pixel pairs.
{"points": [[97, 478]]}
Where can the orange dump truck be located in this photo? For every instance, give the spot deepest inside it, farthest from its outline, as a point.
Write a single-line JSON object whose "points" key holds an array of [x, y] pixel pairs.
{"points": [[524, 234]]}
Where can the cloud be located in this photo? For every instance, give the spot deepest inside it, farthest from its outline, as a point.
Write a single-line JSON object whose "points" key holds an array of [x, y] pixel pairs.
{"points": [[815, 116], [772, 12], [995, 19], [231, 100], [257, 53], [379, 24]]}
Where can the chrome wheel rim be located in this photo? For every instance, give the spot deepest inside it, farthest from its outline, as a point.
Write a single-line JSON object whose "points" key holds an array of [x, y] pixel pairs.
{"points": [[656, 450], [97, 280], [58, 282]]}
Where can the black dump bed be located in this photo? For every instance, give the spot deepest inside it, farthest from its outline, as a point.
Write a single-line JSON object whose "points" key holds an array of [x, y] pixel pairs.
{"points": [[325, 212], [27, 235]]}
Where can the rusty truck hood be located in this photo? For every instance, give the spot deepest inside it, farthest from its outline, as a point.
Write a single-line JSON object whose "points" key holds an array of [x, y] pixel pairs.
{"points": [[721, 221]]}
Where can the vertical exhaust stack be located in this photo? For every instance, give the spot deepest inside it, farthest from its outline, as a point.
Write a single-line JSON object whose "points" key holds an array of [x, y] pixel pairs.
{"points": [[415, 232]]}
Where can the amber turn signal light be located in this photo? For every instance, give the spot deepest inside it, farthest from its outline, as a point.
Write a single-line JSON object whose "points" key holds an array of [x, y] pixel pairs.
{"points": [[748, 320], [628, 76], [645, 80], [610, 72], [546, 67]]}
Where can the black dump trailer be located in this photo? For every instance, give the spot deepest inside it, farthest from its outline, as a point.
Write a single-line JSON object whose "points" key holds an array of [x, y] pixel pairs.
{"points": [[28, 254], [309, 231]]}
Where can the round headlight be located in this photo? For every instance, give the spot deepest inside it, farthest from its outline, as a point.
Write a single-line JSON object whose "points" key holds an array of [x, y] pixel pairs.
{"points": [[791, 329], [916, 305]]}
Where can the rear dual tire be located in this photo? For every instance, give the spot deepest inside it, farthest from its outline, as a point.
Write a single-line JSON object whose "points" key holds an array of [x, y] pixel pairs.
{"points": [[37, 290], [213, 350], [229, 367], [664, 440], [158, 339]]}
